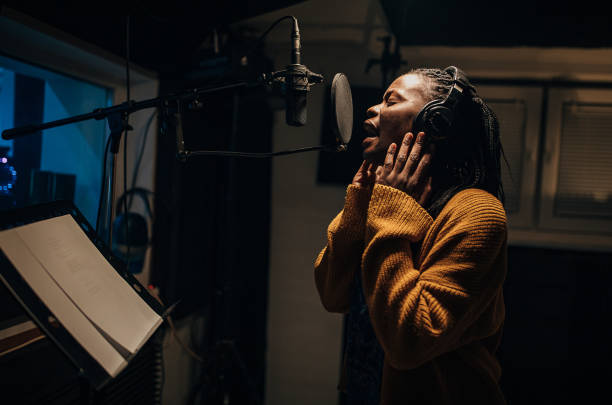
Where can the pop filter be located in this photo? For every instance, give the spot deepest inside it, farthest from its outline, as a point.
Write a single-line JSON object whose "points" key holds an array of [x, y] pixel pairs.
{"points": [[342, 109]]}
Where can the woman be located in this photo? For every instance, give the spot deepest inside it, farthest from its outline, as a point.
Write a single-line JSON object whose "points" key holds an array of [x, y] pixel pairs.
{"points": [[417, 256]]}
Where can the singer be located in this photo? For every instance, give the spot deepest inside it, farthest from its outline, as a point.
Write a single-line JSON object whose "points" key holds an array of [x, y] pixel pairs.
{"points": [[417, 257]]}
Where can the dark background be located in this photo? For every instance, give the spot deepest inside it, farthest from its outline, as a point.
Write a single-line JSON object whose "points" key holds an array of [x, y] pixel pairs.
{"points": [[168, 41], [500, 23], [212, 231]]}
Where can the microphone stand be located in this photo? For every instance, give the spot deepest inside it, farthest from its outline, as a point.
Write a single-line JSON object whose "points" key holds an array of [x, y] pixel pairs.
{"points": [[295, 77], [117, 119]]}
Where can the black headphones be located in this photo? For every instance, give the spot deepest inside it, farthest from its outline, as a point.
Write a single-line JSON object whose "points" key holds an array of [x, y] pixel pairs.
{"points": [[140, 192], [436, 117], [137, 240]]}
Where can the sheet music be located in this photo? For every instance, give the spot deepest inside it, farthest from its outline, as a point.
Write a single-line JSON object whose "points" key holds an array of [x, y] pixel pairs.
{"points": [[66, 312], [79, 269]]}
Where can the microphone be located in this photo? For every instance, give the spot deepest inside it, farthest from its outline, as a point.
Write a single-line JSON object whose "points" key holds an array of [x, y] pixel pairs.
{"points": [[296, 80]]}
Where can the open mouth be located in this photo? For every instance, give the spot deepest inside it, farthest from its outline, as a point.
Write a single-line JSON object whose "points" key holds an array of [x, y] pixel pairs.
{"points": [[370, 129], [371, 134]]}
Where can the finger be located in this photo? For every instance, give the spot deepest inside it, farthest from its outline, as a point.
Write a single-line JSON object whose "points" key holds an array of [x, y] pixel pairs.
{"points": [[369, 172], [420, 174], [389, 158], [379, 173], [415, 154], [402, 155], [363, 168]]}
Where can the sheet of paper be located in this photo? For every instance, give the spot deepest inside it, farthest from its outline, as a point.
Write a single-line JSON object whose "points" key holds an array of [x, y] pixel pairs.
{"points": [[64, 310], [79, 269]]}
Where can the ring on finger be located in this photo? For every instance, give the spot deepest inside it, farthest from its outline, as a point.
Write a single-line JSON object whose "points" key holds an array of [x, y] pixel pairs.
{"points": [[414, 158]]}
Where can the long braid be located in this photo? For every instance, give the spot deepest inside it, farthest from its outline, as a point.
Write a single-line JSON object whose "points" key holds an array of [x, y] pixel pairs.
{"points": [[470, 156]]}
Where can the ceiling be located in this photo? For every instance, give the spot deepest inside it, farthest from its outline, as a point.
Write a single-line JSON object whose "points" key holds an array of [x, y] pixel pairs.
{"points": [[544, 23], [157, 42], [173, 38]]}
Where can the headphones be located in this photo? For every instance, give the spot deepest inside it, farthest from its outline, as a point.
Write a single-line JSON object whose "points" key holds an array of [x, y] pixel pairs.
{"points": [[436, 117], [137, 231]]}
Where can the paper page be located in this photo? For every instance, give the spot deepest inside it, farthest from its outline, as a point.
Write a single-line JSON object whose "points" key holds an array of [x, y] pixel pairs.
{"points": [[59, 304], [78, 267]]}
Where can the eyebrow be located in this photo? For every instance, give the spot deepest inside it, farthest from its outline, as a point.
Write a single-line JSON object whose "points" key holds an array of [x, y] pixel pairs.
{"points": [[388, 94]]}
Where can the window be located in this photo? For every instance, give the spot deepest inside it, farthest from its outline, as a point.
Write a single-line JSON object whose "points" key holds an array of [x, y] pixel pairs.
{"points": [[63, 162], [518, 110], [560, 196], [577, 166]]}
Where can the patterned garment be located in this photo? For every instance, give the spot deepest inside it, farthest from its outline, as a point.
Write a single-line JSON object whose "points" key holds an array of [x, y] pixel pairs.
{"points": [[364, 354]]}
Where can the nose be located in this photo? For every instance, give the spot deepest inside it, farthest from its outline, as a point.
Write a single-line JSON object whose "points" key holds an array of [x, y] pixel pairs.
{"points": [[373, 111]]}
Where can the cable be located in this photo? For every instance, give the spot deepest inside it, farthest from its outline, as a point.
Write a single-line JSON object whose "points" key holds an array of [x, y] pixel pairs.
{"points": [[187, 349], [143, 143], [252, 154], [125, 139], [274, 24], [102, 185]]}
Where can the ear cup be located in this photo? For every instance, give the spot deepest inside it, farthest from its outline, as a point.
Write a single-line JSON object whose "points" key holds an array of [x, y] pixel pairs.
{"points": [[434, 119], [419, 123], [438, 121]]}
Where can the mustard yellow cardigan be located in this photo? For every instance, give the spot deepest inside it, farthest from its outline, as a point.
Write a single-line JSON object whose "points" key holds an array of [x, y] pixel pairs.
{"points": [[433, 290]]}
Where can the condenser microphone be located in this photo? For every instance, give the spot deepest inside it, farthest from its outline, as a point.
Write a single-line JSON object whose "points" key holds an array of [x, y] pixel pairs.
{"points": [[296, 80], [296, 93]]}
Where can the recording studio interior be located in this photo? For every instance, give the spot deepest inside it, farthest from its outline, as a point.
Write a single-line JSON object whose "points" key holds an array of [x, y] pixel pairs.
{"points": [[168, 183]]}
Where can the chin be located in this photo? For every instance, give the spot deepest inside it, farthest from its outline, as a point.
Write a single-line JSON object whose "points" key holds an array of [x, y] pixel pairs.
{"points": [[374, 156], [374, 152]]}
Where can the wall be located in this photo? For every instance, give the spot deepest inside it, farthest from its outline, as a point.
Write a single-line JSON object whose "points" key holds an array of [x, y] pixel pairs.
{"points": [[29, 40], [26, 39], [304, 341]]}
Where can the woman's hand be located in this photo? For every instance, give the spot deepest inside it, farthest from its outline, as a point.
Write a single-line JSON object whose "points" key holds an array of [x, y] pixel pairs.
{"points": [[365, 176], [409, 171]]}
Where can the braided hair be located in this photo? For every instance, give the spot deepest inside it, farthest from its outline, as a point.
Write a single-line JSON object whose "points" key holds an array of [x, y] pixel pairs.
{"points": [[469, 156]]}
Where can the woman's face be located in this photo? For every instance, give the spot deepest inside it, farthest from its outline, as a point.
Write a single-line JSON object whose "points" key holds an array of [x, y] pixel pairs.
{"points": [[390, 120]]}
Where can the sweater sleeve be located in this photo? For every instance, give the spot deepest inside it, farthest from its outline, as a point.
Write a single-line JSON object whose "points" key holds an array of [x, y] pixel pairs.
{"points": [[336, 264], [420, 313]]}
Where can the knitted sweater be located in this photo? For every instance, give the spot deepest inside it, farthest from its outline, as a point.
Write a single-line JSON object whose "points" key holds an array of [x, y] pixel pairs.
{"points": [[433, 289]]}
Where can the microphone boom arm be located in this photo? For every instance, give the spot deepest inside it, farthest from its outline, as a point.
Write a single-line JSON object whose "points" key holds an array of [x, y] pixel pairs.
{"points": [[301, 77]]}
